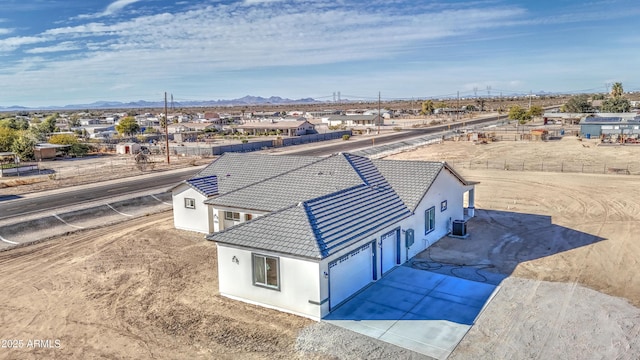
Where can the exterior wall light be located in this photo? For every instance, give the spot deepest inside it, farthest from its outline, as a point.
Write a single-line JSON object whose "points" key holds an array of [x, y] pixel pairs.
{"points": [[235, 260], [326, 275]]}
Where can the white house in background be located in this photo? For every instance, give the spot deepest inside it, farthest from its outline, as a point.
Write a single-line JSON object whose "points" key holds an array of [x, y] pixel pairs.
{"points": [[353, 120], [307, 239]]}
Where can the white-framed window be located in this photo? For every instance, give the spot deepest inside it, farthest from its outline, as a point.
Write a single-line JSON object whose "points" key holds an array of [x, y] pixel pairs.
{"points": [[429, 220], [230, 215], [190, 203], [266, 271]]}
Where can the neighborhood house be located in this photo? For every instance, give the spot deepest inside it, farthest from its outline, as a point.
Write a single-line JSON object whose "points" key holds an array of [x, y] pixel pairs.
{"points": [[304, 234]]}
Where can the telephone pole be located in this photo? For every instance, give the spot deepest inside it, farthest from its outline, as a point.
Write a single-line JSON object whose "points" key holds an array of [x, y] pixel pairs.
{"points": [[379, 113], [166, 128]]}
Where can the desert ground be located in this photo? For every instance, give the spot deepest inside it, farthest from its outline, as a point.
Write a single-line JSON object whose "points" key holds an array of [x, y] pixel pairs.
{"points": [[563, 244]]}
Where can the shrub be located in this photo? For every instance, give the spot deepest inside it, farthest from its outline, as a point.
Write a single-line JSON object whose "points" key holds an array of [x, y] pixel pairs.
{"points": [[397, 128], [345, 137]]}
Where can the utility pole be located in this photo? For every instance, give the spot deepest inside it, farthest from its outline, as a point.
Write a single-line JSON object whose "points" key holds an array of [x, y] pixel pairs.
{"points": [[166, 128], [379, 113], [458, 106]]}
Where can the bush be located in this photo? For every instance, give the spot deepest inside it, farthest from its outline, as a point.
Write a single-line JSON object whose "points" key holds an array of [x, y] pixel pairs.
{"points": [[397, 128], [244, 141], [345, 137]]}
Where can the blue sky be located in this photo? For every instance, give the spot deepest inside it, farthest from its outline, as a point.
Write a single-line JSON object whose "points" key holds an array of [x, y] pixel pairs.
{"points": [[57, 52]]}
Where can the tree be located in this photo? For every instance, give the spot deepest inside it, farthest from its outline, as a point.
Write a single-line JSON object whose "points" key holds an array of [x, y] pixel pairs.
{"points": [[441, 105], [480, 103], [23, 145], [7, 137], [63, 139], [427, 108], [127, 126], [79, 149], [598, 97], [518, 113], [45, 128], [616, 90], [151, 130], [535, 110], [578, 104], [74, 121], [14, 124], [616, 105]]}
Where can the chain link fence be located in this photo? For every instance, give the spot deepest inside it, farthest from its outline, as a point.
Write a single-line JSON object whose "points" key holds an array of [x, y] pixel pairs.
{"points": [[628, 168]]}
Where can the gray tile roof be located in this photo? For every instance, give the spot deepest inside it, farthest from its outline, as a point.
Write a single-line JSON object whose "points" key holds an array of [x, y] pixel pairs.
{"points": [[207, 185], [410, 179], [349, 215], [325, 206], [286, 231], [235, 171], [323, 177], [320, 227]]}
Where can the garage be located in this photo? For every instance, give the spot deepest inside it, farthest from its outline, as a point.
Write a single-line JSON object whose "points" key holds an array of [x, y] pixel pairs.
{"points": [[350, 273], [389, 253]]}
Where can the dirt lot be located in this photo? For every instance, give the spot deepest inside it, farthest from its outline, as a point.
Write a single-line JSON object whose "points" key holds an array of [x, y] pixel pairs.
{"points": [[569, 244], [141, 289]]}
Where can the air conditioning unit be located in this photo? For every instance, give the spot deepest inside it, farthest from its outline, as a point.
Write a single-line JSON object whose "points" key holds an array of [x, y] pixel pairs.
{"points": [[459, 229]]}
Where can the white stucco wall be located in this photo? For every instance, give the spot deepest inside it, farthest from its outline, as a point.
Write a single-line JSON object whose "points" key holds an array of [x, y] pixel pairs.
{"points": [[191, 219], [445, 187], [299, 282]]}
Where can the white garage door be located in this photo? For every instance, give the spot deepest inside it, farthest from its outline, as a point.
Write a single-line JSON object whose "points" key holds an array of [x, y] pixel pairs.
{"points": [[389, 251], [349, 274]]}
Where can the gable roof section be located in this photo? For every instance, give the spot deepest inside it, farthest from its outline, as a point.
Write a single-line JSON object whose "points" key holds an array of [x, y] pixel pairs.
{"points": [[207, 185], [321, 178], [235, 171], [286, 231], [320, 227], [346, 216], [410, 179]]}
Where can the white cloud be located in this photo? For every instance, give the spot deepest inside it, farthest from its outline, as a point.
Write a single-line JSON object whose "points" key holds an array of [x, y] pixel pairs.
{"points": [[63, 46], [5, 31], [13, 43], [111, 9]]}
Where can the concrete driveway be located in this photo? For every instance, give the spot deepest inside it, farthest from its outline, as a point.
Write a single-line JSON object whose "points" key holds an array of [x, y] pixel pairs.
{"points": [[425, 312]]}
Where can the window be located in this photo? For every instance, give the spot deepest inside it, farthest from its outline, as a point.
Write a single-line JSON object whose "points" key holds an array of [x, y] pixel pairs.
{"points": [[248, 217], [230, 215], [190, 203], [266, 271], [429, 220], [443, 206]]}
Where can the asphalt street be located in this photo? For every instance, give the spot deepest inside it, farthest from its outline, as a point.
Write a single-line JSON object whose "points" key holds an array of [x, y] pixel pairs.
{"points": [[17, 207]]}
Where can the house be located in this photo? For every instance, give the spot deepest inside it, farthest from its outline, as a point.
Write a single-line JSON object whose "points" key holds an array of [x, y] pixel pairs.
{"points": [[353, 120], [305, 240], [188, 127], [48, 151], [610, 124], [127, 148], [286, 128]]}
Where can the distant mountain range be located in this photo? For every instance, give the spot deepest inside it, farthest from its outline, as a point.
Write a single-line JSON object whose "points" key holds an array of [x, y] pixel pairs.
{"points": [[244, 101]]}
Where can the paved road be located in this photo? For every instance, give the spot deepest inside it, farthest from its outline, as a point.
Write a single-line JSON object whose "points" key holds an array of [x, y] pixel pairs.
{"points": [[12, 207]]}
